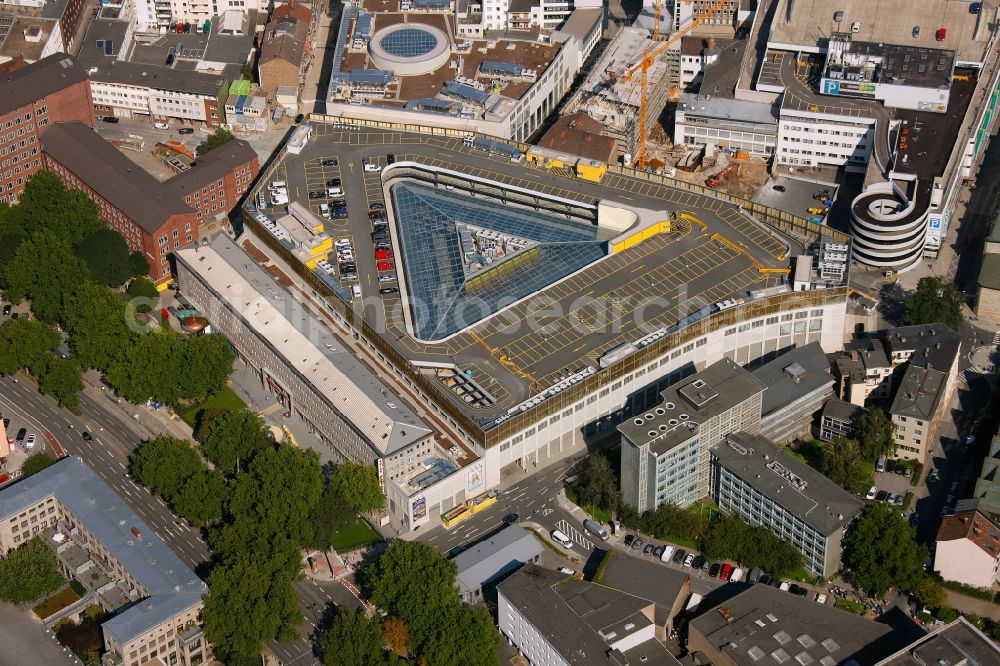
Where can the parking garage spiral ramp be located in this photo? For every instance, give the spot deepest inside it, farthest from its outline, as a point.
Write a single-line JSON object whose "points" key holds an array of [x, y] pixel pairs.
{"points": [[889, 222]]}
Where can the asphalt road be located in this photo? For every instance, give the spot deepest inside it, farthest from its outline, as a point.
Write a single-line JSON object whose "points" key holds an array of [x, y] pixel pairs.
{"points": [[115, 437]]}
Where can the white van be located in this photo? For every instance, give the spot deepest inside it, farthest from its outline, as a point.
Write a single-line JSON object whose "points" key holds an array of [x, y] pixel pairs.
{"points": [[668, 552], [372, 166], [736, 576], [356, 290], [561, 539], [880, 465], [277, 185]]}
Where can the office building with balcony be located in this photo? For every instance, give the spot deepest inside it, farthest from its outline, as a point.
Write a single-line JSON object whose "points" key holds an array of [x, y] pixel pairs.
{"points": [[154, 598], [798, 383], [756, 480], [665, 450]]}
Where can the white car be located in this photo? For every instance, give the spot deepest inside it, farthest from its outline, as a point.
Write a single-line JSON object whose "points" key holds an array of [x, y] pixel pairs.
{"points": [[688, 560], [387, 278], [820, 598], [279, 201], [277, 185], [872, 493], [334, 191], [30, 442], [342, 242], [785, 586], [567, 571], [161, 126], [324, 210], [371, 166]]}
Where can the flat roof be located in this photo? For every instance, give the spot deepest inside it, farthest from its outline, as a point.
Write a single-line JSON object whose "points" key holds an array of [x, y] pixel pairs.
{"points": [[306, 344], [172, 586], [919, 393], [501, 553], [726, 108], [784, 479], [115, 177], [842, 411], [989, 271], [17, 43], [685, 405], [793, 375], [579, 134], [958, 642], [571, 615], [764, 626], [45, 77], [809, 23], [649, 580]]}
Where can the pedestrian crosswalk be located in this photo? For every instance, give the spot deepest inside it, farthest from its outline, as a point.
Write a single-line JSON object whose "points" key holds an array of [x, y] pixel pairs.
{"points": [[996, 338], [575, 535]]}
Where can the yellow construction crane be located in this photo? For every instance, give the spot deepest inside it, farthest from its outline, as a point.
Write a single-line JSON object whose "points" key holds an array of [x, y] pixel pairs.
{"points": [[648, 58]]}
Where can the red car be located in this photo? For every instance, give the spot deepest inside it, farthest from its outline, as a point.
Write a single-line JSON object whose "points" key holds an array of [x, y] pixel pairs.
{"points": [[376, 215], [383, 254], [386, 265], [726, 570]]}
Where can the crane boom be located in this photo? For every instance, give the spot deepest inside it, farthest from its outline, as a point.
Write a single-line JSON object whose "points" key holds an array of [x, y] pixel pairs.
{"points": [[648, 58]]}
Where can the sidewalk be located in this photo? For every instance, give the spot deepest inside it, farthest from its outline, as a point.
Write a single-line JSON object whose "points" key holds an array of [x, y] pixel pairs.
{"points": [[966, 604], [147, 420]]}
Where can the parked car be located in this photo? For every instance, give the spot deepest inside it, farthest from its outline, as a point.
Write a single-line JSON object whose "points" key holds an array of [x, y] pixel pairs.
{"points": [[764, 579], [340, 213], [872, 493], [386, 265], [388, 290], [371, 166], [329, 162], [689, 560], [6, 310], [383, 254], [21, 434], [648, 550], [820, 598], [629, 538], [334, 192], [668, 552], [778, 188], [727, 570], [110, 119], [186, 130], [333, 182], [658, 551], [376, 205], [566, 570], [736, 576], [898, 500], [679, 556], [881, 496], [713, 571], [392, 278], [637, 543], [30, 442], [317, 194], [342, 242], [159, 125], [376, 215], [390, 159], [698, 561]]}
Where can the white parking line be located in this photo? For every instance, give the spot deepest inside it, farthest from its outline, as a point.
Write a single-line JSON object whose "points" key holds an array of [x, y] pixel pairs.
{"points": [[574, 534]]}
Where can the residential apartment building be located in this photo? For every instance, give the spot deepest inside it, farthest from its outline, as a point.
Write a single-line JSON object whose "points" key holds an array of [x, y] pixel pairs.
{"points": [[864, 373], [921, 401], [560, 620], [33, 97], [488, 562], [665, 451], [968, 549], [64, 15], [155, 599], [155, 218], [763, 624], [756, 480], [928, 345], [284, 47], [839, 419], [798, 384]]}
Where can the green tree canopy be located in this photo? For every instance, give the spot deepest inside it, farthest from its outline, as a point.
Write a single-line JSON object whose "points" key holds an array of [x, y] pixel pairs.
{"points": [[929, 592], [95, 319], [147, 369], [354, 639], [462, 636], [201, 498], [107, 256], [358, 485], [876, 434], [205, 363], [8, 248], [728, 537], [217, 138], [44, 268], [25, 343], [597, 485], [144, 292], [29, 572], [881, 552], [231, 435], [936, 300], [36, 463], [164, 464], [415, 583], [61, 378], [842, 463], [47, 205], [331, 514]]}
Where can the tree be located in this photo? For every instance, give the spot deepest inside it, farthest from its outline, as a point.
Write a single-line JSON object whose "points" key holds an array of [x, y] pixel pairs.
{"points": [[107, 256], [331, 514], [728, 537], [25, 343], [881, 552], [84, 639], [232, 436], [929, 592], [96, 321], [936, 300], [44, 268], [395, 633], [62, 379], [46, 205], [217, 138], [164, 464], [415, 583], [201, 498], [144, 292], [461, 636], [842, 463], [29, 572], [597, 485], [8, 248], [876, 434], [252, 600], [358, 485], [36, 463], [207, 362], [274, 498], [149, 368], [354, 639]]}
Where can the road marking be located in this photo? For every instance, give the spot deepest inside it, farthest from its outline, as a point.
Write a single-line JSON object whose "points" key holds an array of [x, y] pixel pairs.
{"points": [[546, 512], [575, 535]]}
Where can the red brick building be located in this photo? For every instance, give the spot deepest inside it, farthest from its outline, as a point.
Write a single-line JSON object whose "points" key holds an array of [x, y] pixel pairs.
{"points": [[32, 97], [153, 217]]}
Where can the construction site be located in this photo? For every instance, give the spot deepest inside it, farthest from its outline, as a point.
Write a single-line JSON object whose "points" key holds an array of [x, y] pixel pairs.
{"points": [[632, 89]]}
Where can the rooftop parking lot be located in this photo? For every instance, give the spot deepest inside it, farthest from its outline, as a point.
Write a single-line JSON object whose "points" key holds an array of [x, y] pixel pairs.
{"points": [[711, 252]]}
